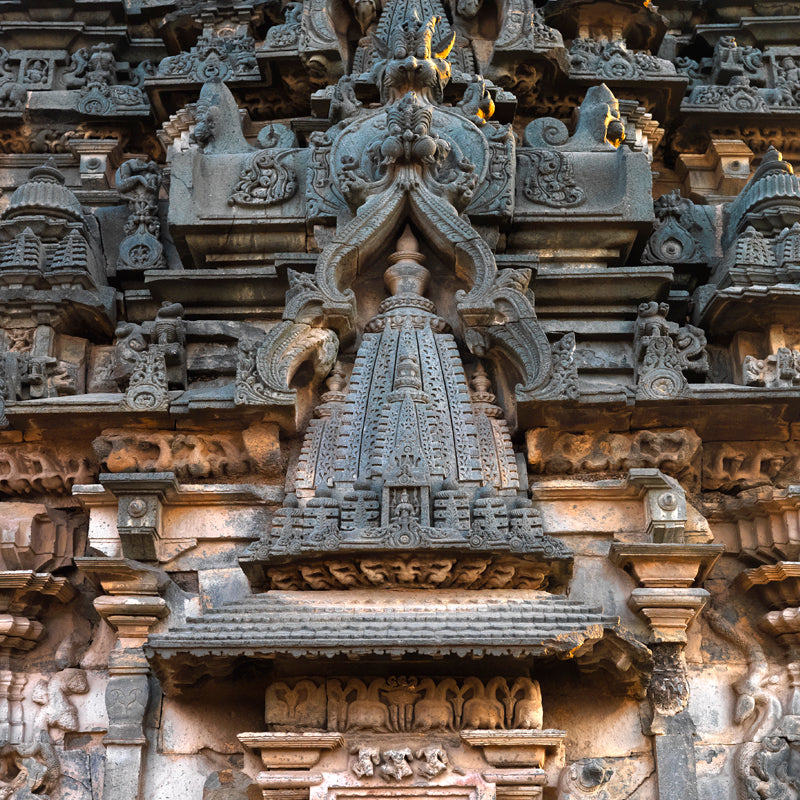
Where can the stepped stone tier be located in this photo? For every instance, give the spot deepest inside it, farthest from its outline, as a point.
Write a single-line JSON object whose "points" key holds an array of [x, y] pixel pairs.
{"points": [[399, 400]]}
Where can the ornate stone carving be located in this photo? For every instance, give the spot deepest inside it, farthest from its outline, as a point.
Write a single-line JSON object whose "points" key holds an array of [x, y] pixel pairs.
{"points": [[599, 126], [147, 389], [93, 72], [57, 713], [675, 237], [675, 452], [33, 468], [222, 51], [473, 572], [612, 60], [267, 178], [665, 353], [551, 180], [772, 741], [191, 455], [139, 182], [265, 371], [738, 465], [404, 704], [157, 367], [669, 687], [778, 371]]}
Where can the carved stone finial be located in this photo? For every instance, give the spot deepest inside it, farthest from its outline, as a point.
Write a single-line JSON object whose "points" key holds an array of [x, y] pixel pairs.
{"points": [[407, 373], [406, 275], [336, 381], [481, 385]]}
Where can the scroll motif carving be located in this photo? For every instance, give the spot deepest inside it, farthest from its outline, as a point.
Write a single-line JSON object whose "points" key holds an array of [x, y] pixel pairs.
{"points": [[404, 704], [265, 372], [665, 353], [267, 179], [551, 180]]}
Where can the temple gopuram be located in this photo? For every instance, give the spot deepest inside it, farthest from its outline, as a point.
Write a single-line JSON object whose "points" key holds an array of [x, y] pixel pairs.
{"points": [[399, 400]]}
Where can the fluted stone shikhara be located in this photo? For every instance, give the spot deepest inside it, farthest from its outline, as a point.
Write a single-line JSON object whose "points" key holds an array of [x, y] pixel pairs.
{"points": [[380, 386]]}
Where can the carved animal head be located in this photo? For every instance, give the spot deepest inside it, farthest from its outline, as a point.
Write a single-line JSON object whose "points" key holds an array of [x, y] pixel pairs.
{"points": [[413, 60]]}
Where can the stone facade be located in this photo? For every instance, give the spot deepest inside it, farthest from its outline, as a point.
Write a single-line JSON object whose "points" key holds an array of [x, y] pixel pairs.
{"points": [[399, 399]]}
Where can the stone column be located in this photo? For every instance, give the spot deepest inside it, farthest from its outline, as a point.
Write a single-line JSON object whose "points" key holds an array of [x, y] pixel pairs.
{"points": [[132, 606], [669, 596]]}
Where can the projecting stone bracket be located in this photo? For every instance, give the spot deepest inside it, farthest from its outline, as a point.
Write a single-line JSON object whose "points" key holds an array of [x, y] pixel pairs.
{"points": [[779, 587], [140, 498], [670, 578], [286, 757]]}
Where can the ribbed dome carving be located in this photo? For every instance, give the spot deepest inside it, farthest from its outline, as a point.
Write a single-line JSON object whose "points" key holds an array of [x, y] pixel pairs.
{"points": [[44, 193]]}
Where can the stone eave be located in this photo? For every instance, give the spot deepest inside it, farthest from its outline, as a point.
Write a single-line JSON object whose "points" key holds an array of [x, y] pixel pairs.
{"points": [[357, 624]]}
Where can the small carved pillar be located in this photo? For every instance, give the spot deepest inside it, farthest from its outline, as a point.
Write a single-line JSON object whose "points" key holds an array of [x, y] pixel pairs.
{"points": [[287, 759], [669, 596], [140, 498], [132, 606]]}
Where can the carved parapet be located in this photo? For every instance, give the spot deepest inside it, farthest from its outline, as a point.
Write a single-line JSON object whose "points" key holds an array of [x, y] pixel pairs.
{"points": [[673, 452]]}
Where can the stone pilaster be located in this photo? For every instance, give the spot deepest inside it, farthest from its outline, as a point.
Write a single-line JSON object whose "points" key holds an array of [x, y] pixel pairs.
{"points": [[132, 606]]}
